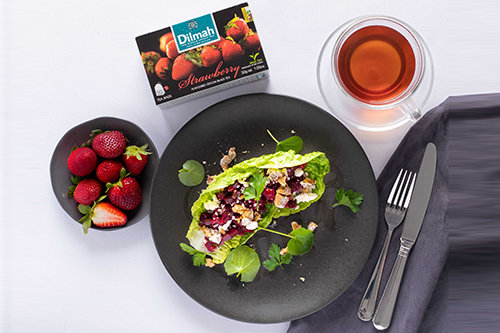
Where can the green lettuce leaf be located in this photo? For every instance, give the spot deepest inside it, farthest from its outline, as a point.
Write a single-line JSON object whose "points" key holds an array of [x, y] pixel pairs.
{"points": [[317, 167]]}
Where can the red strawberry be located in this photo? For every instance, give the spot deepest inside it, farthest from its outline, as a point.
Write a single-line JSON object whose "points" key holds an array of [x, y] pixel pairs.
{"points": [[82, 161], [108, 170], [237, 28], [182, 68], [172, 51], [126, 194], [163, 67], [106, 215], [210, 55], [251, 41], [164, 41], [87, 191], [109, 144], [135, 159], [230, 50], [149, 59]]}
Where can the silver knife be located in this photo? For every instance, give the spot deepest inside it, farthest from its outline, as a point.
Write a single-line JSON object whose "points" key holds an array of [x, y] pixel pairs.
{"points": [[412, 224]]}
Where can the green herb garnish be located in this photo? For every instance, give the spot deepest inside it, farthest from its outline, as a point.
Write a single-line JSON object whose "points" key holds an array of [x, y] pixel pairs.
{"points": [[199, 258], [244, 261], [276, 259], [192, 173], [257, 184], [301, 243], [294, 143], [348, 198]]}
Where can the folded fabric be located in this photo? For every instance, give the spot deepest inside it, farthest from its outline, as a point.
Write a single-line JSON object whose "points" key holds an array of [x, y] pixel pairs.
{"points": [[466, 131]]}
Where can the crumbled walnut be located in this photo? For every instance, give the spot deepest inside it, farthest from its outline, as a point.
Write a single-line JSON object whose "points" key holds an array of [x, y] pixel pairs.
{"points": [[295, 225], [227, 159], [302, 279], [210, 179], [283, 251], [209, 262], [312, 226], [280, 200], [284, 190]]}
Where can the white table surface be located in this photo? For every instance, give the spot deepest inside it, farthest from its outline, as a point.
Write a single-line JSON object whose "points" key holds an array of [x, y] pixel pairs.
{"points": [[64, 62]]}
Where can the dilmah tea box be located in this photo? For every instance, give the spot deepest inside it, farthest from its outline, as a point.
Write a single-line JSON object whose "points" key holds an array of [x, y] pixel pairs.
{"points": [[203, 55]]}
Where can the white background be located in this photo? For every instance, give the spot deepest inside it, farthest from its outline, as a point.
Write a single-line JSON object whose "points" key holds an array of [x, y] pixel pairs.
{"points": [[65, 62]]}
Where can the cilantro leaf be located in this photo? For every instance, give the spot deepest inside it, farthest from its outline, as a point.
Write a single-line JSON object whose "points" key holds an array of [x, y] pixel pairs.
{"points": [[301, 243], [257, 183], [199, 258], [244, 261], [270, 264], [276, 259], [348, 198], [192, 173], [294, 143]]}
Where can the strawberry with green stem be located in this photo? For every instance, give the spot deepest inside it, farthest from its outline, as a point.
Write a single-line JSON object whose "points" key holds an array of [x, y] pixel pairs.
{"points": [[149, 60], [236, 29], [135, 159], [185, 65], [210, 55], [251, 42], [126, 193], [162, 68], [230, 49]]}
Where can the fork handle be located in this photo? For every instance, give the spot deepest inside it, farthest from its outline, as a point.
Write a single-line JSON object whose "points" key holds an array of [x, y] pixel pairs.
{"points": [[367, 305], [383, 315]]}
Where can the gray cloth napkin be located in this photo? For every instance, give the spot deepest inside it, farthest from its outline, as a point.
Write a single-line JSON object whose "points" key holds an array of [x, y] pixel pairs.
{"points": [[466, 131]]}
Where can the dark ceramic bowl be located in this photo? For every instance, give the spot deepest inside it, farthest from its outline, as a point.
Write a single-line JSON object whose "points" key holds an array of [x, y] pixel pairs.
{"points": [[60, 174]]}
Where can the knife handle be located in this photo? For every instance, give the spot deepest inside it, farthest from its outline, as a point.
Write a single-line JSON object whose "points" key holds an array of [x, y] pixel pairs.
{"points": [[383, 315]]}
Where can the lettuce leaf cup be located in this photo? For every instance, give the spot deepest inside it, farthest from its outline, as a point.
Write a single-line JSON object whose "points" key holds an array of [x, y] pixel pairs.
{"points": [[249, 195]]}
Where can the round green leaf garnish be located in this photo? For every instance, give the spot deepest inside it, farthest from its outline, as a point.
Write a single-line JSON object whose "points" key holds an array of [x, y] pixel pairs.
{"points": [[294, 143], [301, 243], [192, 173], [244, 261]]}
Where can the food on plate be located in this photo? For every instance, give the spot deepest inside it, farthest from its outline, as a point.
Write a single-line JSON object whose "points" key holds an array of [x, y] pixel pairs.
{"points": [[249, 195], [121, 179], [82, 161], [136, 158], [109, 144], [294, 143], [228, 158], [348, 198], [192, 173]]}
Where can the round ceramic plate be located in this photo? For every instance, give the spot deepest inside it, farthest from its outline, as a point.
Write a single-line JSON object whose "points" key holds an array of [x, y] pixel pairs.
{"points": [[343, 240]]}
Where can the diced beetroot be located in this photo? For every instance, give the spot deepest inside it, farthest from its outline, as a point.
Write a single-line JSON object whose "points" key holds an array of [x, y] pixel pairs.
{"points": [[291, 203], [232, 232], [210, 246], [269, 194], [291, 171], [303, 166], [220, 195], [295, 185]]}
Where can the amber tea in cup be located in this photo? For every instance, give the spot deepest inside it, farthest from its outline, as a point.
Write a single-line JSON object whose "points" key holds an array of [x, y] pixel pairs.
{"points": [[378, 62]]}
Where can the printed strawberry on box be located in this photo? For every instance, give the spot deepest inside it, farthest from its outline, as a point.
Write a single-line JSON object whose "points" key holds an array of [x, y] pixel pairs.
{"points": [[203, 55]]}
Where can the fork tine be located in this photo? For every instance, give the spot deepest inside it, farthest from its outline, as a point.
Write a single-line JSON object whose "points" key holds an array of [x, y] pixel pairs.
{"points": [[391, 195], [410, 191], [404, 192], [400, 187]]}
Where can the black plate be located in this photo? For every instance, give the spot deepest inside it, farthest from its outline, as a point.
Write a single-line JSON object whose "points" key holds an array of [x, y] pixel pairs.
{"points": [[343, 239]]}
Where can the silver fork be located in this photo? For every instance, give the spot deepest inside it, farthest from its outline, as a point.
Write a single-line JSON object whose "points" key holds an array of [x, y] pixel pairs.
{"points": [[395, 211]]}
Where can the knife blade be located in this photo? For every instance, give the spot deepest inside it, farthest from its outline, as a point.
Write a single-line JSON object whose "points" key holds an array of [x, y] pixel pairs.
{"points": [[413, 222]]}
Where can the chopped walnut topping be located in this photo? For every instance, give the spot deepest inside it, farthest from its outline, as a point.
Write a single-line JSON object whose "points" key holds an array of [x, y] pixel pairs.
{"points": [[210, 179], [227, 159], [295, 225], [283, 251], [284, 190], [280, 200], [209, 262], [308, 185], [312, 226]]}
